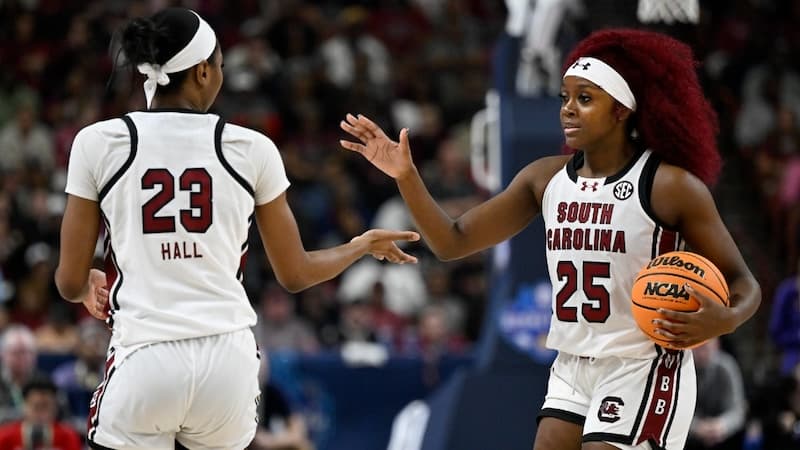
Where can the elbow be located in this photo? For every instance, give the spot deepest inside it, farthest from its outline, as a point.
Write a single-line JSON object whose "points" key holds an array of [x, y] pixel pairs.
{"points": [[68, 285], [447, 254], [293, 284], [293, 288]]}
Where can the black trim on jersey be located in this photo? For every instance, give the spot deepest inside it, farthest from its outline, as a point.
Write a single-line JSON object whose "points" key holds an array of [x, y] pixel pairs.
{"points": [[608, 437], [646, 179], [96, 446], [654, 246], [632, 162], [134, 144], [567, 416], [218, 145], [113, 255], [573, 165], [174, 110], [577, 162], [618, 438]]}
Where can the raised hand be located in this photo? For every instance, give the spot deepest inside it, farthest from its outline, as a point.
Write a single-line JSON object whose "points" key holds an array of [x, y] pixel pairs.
{"points": [[381, 245], [393, 158]]}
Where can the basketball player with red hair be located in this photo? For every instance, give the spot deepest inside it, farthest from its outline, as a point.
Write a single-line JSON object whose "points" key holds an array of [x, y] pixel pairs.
{"points": [[642, 153]]}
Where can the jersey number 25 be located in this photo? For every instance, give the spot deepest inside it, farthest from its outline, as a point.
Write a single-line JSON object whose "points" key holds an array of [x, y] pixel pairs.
{"points": [[598, 308]]}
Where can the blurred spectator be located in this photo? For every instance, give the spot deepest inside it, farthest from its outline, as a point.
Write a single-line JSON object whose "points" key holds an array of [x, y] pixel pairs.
{"points": [[18, 356], [319, 306], [26, 139], [78, 379], [278, 327], [279, 427], [767, 87], [388, 325], [403, 285], [59, 334], [38, 428], [34, 292], [440, 293], [721, 406], [777, 414], [784, 323], [353, 53], [448, 177], [435, 338], [356, 323]]}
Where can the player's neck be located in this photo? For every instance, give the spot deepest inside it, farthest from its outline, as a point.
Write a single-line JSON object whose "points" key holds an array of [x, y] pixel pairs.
{"points": [[177, 102], [607, 158]]}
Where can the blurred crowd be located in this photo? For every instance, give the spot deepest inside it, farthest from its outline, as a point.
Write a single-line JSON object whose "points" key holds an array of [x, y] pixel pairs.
{"points": [[293, 69]]}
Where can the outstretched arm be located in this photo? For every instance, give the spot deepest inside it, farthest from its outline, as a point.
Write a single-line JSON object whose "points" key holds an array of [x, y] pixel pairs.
{"points": [[296, 269], [479, 228], [682, 200]]}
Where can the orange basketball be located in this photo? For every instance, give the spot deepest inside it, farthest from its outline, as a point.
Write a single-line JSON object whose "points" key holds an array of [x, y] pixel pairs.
{"points": [[660, 285]]}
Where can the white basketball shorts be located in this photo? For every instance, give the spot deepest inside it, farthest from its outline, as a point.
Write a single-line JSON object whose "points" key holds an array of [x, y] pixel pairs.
{"points": [[628, 403], [201, 392]]}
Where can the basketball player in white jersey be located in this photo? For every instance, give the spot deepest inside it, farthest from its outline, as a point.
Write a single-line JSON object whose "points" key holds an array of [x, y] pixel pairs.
{"points": [[177, 189], [643, 151]]}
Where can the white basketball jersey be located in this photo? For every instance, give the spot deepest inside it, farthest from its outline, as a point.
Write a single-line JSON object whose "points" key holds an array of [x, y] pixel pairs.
{"points": [[600, 232], [177, 192]]}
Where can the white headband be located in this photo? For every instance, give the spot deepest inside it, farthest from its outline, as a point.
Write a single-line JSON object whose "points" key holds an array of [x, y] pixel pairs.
{"points": [[605, 77], [197, 50]]}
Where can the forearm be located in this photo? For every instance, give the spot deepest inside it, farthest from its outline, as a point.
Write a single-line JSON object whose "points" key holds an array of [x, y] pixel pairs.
{"points": [[437, 228], [71, 290], [323, 265], [745, 299]]}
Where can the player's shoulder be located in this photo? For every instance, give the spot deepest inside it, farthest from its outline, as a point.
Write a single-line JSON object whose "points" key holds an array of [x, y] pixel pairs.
{"points": [[238, 135], [672, 177], [542, 170], [102, 130]]}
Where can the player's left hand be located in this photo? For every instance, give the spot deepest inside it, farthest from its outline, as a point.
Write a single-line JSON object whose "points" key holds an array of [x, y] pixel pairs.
{"points": [[381, 245], [96, 297], [688, 329]]}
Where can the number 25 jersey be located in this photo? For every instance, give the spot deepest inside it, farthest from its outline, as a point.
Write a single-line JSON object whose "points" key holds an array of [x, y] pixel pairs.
{"points": [[599, 233], [177, 192]]}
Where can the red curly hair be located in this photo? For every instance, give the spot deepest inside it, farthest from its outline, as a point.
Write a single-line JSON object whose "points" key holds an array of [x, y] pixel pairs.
{"points": [[673, 117]]}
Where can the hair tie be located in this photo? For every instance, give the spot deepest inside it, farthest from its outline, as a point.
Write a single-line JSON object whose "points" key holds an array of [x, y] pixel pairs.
{"points": [[197, 50]]}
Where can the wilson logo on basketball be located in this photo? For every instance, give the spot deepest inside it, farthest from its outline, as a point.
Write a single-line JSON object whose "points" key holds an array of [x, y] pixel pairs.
{"points": [[678, 262], [666, 290]]}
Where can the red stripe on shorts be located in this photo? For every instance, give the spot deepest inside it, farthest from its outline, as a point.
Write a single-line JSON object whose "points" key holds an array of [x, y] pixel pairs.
{"points": [[94, 404], [662, 398]]}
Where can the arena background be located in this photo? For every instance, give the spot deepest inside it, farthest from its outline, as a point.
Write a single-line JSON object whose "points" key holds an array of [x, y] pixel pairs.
{"points": [[435, 356]]}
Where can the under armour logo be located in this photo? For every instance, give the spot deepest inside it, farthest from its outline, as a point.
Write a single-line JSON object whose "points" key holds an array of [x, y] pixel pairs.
{"points": [[584, 65], [586, 185]]}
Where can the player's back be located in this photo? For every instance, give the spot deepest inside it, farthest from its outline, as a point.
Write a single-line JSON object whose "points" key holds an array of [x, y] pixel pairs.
{"points": [[177, 192]]}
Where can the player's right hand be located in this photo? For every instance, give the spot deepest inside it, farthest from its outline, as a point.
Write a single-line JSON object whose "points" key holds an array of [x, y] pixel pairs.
{"points": [[96, 297], [393, 158], [381, 245]]}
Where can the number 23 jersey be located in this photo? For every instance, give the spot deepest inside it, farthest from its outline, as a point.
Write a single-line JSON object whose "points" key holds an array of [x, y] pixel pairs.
{"points": [[599, 233], [177, 192]]}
